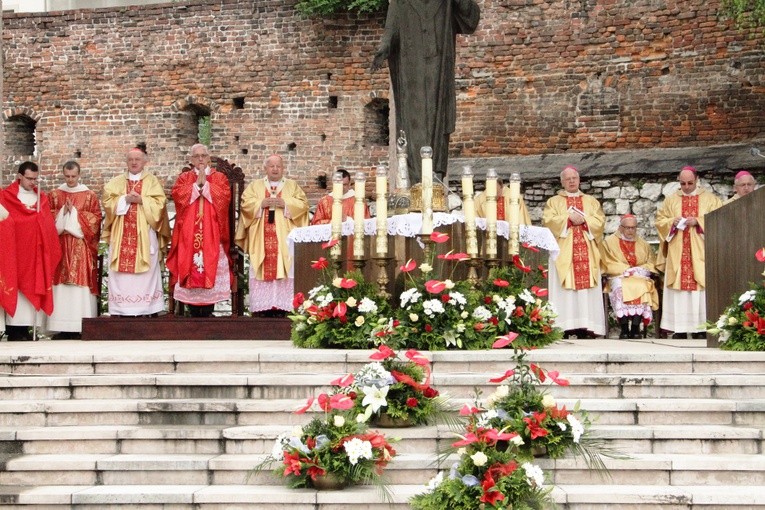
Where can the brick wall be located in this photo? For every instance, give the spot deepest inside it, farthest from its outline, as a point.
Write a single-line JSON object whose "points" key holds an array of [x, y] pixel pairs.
{"points": [[537, 77]]}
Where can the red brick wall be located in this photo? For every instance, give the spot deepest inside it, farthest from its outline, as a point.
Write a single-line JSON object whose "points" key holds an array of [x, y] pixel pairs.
{"points": [[537, 77]]}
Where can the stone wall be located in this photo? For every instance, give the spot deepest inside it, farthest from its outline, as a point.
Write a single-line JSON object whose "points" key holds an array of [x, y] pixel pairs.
{"points": [[538, 77]]}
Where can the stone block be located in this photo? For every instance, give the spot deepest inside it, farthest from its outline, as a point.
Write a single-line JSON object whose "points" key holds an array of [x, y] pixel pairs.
{"points": [[609, 207], [629, 193], [613, 192], [601, 184], [622, 206], [651, 191]]}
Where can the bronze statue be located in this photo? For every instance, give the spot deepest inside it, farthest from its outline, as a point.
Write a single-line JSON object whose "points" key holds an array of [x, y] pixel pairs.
{"points": [[420, 45]]}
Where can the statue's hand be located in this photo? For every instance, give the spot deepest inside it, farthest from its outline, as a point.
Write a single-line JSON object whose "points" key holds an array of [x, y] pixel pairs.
{"points": [[380, 56]]}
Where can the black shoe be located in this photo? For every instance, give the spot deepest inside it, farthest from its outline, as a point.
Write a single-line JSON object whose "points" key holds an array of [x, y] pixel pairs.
{"points": [[680, 336], [635, 326], [699, 335], [624, 325]]}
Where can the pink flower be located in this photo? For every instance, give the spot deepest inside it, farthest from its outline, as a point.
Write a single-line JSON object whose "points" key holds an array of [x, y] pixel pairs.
{"points": [[340, 310], [435, 286], [501, 283], [553, 374], [501, 378], [760, 254], [322, 263], [341, 401], [409, 266], [468, 410], [519, 264], [504, 340], [306, 407], [383, 352], [347, 283], [439, 237], [530, 247], [417, 358], [539, 291], [343, 381]]}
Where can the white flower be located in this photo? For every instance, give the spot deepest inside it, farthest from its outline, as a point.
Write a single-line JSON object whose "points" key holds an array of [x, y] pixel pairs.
{"points": [[464, 315], [460, 328], [461, 451], [576, 427], [435, 482], [297, 431], [484, 418], [413, 317], [481, 313], [500, 393], [337, 282], [425, 267], [357, 449], [722, 321], [361, 418], [375, 397], [374, 374], [457, 298], [432, 307], [359, 321], [351, 301], [548, 401], [527, 296], [367, 306], [534, 474], [325, 299], [449, 284], [747, 296], [277, 452], [410, 296], [338, 421], [732, 321], [479, 458], [314, 291], [517, 440]]}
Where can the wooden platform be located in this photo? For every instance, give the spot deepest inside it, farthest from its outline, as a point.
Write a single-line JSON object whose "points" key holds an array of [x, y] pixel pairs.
{"points": [[170, 327]]}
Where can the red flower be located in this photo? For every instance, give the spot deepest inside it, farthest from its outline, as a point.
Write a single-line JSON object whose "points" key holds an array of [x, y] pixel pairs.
{"points": [[501, 283], [428, 328], [519, 264], [405, 379], [530, 247], [468, 410], [417, 358], [495, 435], [445, 298], [534, 424], [383, 352], [315, 471], [430, 392], [537, 371], [553, 374], [535, 315], [340, 310], [504, 340], [409, 266], [330, 244], [305, 408], [542, 270], [292, 463], [439, 237], [518, 311], [747, 306], [494, 321], [411, 402], [341, 402], [470, 438], [478, 326], [459, 257], [298, 300], [487, 300], [435, 286], [760, 254], [347, 283], [343, 381], [538, 291], [501, 378], [491, 496], [322, 263]]}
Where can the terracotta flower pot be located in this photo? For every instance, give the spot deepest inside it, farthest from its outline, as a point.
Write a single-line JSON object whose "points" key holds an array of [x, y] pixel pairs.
{"points": [[329, 482]]}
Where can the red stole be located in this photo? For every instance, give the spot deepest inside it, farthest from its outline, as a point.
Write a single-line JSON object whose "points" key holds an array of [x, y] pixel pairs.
{"points": [[581, 253], [271, 244], [129, 244], [628, 250], [690, 209]]}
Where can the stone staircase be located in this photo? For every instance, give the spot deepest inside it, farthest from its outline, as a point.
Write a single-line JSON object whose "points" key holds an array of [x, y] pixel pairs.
{"points": [[180, 425]]}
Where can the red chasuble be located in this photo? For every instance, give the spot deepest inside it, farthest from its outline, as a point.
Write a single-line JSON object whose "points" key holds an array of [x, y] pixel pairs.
{"points": [[8, 277], [581, 252], [37, 248], [200, 229], [690, 209]]}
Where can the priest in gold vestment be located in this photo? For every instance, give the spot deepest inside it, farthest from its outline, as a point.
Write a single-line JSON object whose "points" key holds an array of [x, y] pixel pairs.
{"points": [[680, 224], [271, 207], [137, 230], [575, 290], [75, 283], [628, 261]]}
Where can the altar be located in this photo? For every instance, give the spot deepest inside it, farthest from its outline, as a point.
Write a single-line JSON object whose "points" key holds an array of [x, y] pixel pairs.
{"points": [[404, 244]]}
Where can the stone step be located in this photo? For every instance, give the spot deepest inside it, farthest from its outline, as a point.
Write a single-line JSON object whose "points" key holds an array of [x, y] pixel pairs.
{"points": [[211, 439], [406, 468], [26, 413], [264, 497], [300, 385]]}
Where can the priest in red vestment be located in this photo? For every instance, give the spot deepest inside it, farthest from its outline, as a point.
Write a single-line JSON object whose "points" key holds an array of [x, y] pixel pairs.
{"points": [[77, 211], [199, 262], [323, 214], [8, 288], [37, 251]]}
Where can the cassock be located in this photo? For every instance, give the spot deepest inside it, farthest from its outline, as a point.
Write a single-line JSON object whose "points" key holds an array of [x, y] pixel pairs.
{"points": [[199, 253], [263, 235], [575, 289], [37, 253], [137, 235], [8, 288], [75, 284], [629, 266], [323, 213], [503, 207], [684, 297]]}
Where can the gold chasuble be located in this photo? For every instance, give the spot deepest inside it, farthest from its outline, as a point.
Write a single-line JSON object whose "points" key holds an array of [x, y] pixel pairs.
{"points": [[578, 264], [264, 237], [128, 235], [618, 255], [503, 207], [684, 249]]}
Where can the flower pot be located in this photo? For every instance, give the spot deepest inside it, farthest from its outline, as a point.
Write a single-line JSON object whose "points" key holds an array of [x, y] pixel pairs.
{"points": [[536, 451], [329, 482], [539, 451], [384, 420]]}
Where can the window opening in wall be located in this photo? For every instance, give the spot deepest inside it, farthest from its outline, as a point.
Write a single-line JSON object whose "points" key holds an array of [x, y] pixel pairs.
{"points": [[239, 103], [245, 151], [332, 102], [376, 117], [291, 146], [78, 154], [194, 126], [21, 136]]}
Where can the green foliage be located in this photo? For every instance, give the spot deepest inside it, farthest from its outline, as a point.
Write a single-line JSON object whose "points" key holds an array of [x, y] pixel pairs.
{"points": [[741, 327], [331, 7], [205, 130], [746, 13]]}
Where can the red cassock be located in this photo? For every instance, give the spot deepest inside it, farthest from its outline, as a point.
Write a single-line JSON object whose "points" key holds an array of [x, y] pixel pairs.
{"points": [[8, 277], [78, 264], [37, 248], [199, 231]]}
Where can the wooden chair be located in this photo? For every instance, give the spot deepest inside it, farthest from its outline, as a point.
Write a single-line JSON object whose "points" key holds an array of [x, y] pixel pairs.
{"points": [[235, 177]]}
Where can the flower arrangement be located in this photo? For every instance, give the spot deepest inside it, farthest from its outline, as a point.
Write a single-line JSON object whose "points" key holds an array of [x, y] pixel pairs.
{"points": [[741, 327], [335, 445], [341, 312], [393, 392]]}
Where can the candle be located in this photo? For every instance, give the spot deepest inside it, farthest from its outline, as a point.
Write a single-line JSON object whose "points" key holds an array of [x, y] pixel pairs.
{"points": [[427, 190], [468, 209], [358, 215], [381, 241], [337, 212], [491, 213], [514, 213]]}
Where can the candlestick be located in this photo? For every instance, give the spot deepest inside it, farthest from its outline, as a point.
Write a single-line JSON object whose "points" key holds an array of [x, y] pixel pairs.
{"points": [[491, 214], [337, 214], [381, 240], [427, 190], [468, 208], [358, 215], [514, 213]]}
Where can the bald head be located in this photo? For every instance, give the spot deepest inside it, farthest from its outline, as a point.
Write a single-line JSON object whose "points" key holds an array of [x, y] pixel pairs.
{"points": [[274, 167], [687, 180], [569, 179]]}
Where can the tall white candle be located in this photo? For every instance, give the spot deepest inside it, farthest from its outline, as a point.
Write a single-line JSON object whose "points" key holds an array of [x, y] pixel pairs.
{"points": [[337, 212], [514, 214], [381, 241], [468, 209], [427, 190], [358, 215], [491, 213]]}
